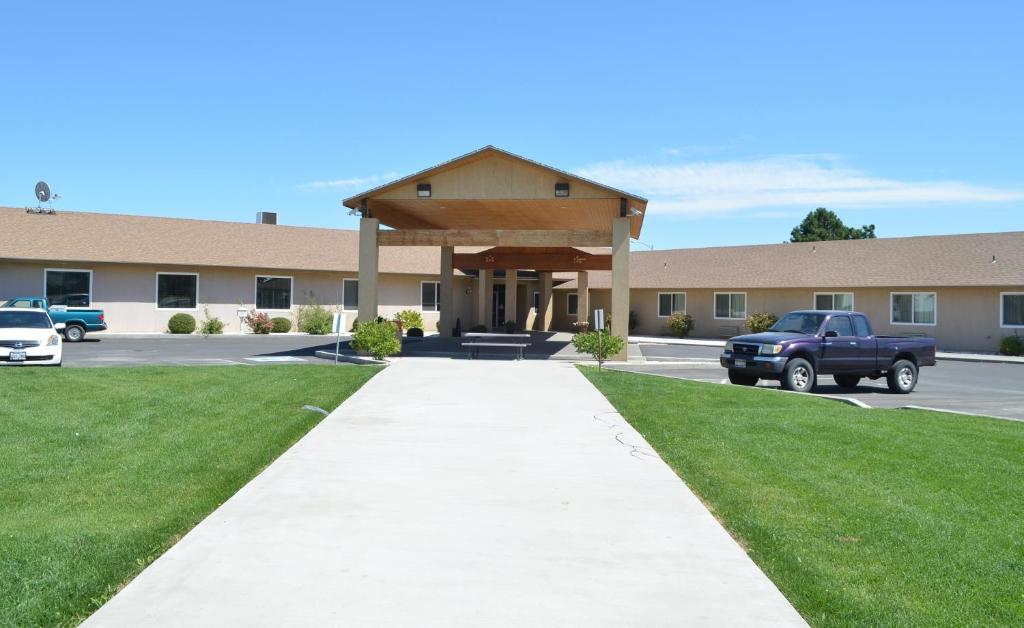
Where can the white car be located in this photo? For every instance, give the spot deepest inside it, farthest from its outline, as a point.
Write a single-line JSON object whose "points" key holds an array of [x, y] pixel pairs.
{"points": [[28, 336]]}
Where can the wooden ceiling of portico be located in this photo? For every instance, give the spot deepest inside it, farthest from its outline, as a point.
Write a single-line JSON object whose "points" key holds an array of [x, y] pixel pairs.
{"points": [[540, 258]]}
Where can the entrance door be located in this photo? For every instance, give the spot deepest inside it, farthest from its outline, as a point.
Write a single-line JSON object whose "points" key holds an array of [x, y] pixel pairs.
{"points": [[497, 305]]}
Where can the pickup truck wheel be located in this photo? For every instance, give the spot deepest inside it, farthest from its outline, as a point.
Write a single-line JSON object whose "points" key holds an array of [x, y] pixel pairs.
{"points": [[742, 379], [74, 333], [799, 376], [902, 377], [847, 381]]}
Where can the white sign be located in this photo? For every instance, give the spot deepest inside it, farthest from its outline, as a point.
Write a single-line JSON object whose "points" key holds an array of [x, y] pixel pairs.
{"points": [[338, 326], [598, 320]]}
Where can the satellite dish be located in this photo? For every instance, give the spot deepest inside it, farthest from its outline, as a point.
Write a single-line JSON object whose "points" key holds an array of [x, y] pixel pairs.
{"points": [[42, 192]]}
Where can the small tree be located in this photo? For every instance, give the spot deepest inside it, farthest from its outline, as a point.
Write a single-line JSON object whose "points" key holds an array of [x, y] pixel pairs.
{"points": [[379, 338], [681, 324], [761, 321], [601, 345], [822, 224]]}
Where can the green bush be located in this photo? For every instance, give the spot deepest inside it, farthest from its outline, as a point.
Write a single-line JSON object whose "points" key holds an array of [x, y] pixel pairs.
{"points": [[181, 323], [414, 332], [315, 319], [410, 319], [210, 325], [477, 329], [379, 338], [761, 321], [681, 324], [259, 322], [1011, 345], [280, 325], [510, 327], [599, 344]]}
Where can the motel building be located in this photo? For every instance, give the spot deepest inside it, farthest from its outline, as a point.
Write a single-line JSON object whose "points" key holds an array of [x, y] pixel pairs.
{"points": [[489, 237]]}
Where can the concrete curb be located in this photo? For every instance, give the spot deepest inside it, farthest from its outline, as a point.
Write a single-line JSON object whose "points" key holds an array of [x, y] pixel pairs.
{"points": [[959, 412], [351, 359]]}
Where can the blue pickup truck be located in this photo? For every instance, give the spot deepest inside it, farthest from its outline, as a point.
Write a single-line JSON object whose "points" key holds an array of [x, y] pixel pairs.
{"points": [[76, 321], [808, 343]]}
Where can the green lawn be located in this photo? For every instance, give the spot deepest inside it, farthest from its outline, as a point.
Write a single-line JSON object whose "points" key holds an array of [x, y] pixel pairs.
{"points": [[861, 517], [101, 470]]}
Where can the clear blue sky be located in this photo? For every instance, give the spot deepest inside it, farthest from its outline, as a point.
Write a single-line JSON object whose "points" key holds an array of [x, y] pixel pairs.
{"points": [[736, 119]]}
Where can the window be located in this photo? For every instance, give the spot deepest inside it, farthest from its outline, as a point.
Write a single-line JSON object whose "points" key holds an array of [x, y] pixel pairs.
{"points": [[177, 291], [833, 301], [350, 294], [273, 293], [860, 325], [71, 288], [913, 308], [430, 296], [732, 305], [840, 325], [671, 302], [536, 300], [572, 302], [1011, 309]]}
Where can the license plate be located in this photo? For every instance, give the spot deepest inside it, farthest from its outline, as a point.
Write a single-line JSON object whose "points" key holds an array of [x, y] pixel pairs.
{"points": [[17, 356], [741, 364]]}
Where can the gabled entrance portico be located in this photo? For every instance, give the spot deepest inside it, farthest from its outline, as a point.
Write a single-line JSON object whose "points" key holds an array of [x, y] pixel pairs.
{"points": [[525, 216]]}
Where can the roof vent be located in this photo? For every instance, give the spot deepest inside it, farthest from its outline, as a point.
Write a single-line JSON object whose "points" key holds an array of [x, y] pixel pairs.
{"points": [[266, 218]]}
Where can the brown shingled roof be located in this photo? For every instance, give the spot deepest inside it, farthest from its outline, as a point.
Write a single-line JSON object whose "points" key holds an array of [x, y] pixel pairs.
{"points": [[69, 236], [950, 260]]}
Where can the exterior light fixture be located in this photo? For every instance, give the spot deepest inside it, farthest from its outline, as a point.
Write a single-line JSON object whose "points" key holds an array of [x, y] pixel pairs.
{"points": [[561, 189], [633, 211], [423, 190]]}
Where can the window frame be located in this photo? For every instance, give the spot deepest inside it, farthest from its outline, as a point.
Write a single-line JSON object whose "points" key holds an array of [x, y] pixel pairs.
{"points": [[68, 270], [256, 293], [853, 302], [437, 295], [344, 306], [914, 323], [1002, 310], [568, 299], [714, 307], [156, 293], [686, 304]]}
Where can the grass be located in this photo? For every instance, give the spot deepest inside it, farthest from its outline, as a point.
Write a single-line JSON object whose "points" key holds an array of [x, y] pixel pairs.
{"points": [[861, 517], [101, 470]]}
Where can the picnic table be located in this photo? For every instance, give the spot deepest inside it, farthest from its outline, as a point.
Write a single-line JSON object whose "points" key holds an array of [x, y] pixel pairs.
{"points": [[516, 342]]}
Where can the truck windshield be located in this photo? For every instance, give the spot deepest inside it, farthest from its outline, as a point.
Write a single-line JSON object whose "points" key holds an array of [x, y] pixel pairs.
{"points": [[24, 320], [806, 323]]}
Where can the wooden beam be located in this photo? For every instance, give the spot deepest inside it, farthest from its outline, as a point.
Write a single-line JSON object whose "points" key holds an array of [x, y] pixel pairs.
{"points": [[494, 237], [567, 261]]}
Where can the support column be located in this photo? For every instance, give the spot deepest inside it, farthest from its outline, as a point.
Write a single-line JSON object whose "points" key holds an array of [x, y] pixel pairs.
{"points": [[511, 290], [447, 288], [368, 265], [620, 282], [582, 296], [483, 298], [546, 309]]}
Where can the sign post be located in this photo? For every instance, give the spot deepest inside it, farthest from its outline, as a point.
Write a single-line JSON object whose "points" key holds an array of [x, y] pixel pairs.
{"points": [[337, 326]]}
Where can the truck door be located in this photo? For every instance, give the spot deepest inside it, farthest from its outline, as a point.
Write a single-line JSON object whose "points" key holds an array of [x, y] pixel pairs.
{"points": [[867, 346], [840, 350]]}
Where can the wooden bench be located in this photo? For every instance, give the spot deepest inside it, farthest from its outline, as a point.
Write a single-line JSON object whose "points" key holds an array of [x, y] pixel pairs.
{"points": [[481, 339]]}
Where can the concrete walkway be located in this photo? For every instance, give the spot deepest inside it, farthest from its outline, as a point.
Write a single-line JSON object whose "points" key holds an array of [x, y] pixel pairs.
{"points": [[458, 493]]}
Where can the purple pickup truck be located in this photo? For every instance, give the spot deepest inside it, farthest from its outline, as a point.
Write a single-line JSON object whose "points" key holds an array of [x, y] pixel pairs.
{"points": [[808, 343]]}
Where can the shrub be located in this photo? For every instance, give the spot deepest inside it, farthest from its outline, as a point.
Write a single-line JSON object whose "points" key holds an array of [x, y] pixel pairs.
{"points": [[259, 322], [478, 329], [634, 320], [599, 344], [280, 325], [409, 319], [414, 332], [510, 327], [315, 319], [181, 323], [211, 324], [379, 338], [761, 321], [1011, 345], [681, 324]]}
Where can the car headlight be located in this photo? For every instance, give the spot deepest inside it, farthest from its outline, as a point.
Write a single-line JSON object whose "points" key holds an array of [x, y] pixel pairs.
{"points": [[771, 349], [53, 341], [728, 346]]}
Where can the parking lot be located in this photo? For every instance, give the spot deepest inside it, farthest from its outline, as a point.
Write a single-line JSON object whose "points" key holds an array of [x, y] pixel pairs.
{"points": [[194, 350]]}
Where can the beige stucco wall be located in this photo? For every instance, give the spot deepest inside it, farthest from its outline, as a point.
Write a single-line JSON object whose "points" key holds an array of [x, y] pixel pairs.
{"points": [[967, 318]]}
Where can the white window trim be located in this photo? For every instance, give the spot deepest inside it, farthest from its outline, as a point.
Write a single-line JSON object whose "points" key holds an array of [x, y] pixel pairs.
{"points": [[1002, 311], [567, 299], [291, 293], [657, 304], [344, 307], [853, 300], [714, 307], [892, 322], [156, 293], [437, 296], [68, 270]]}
